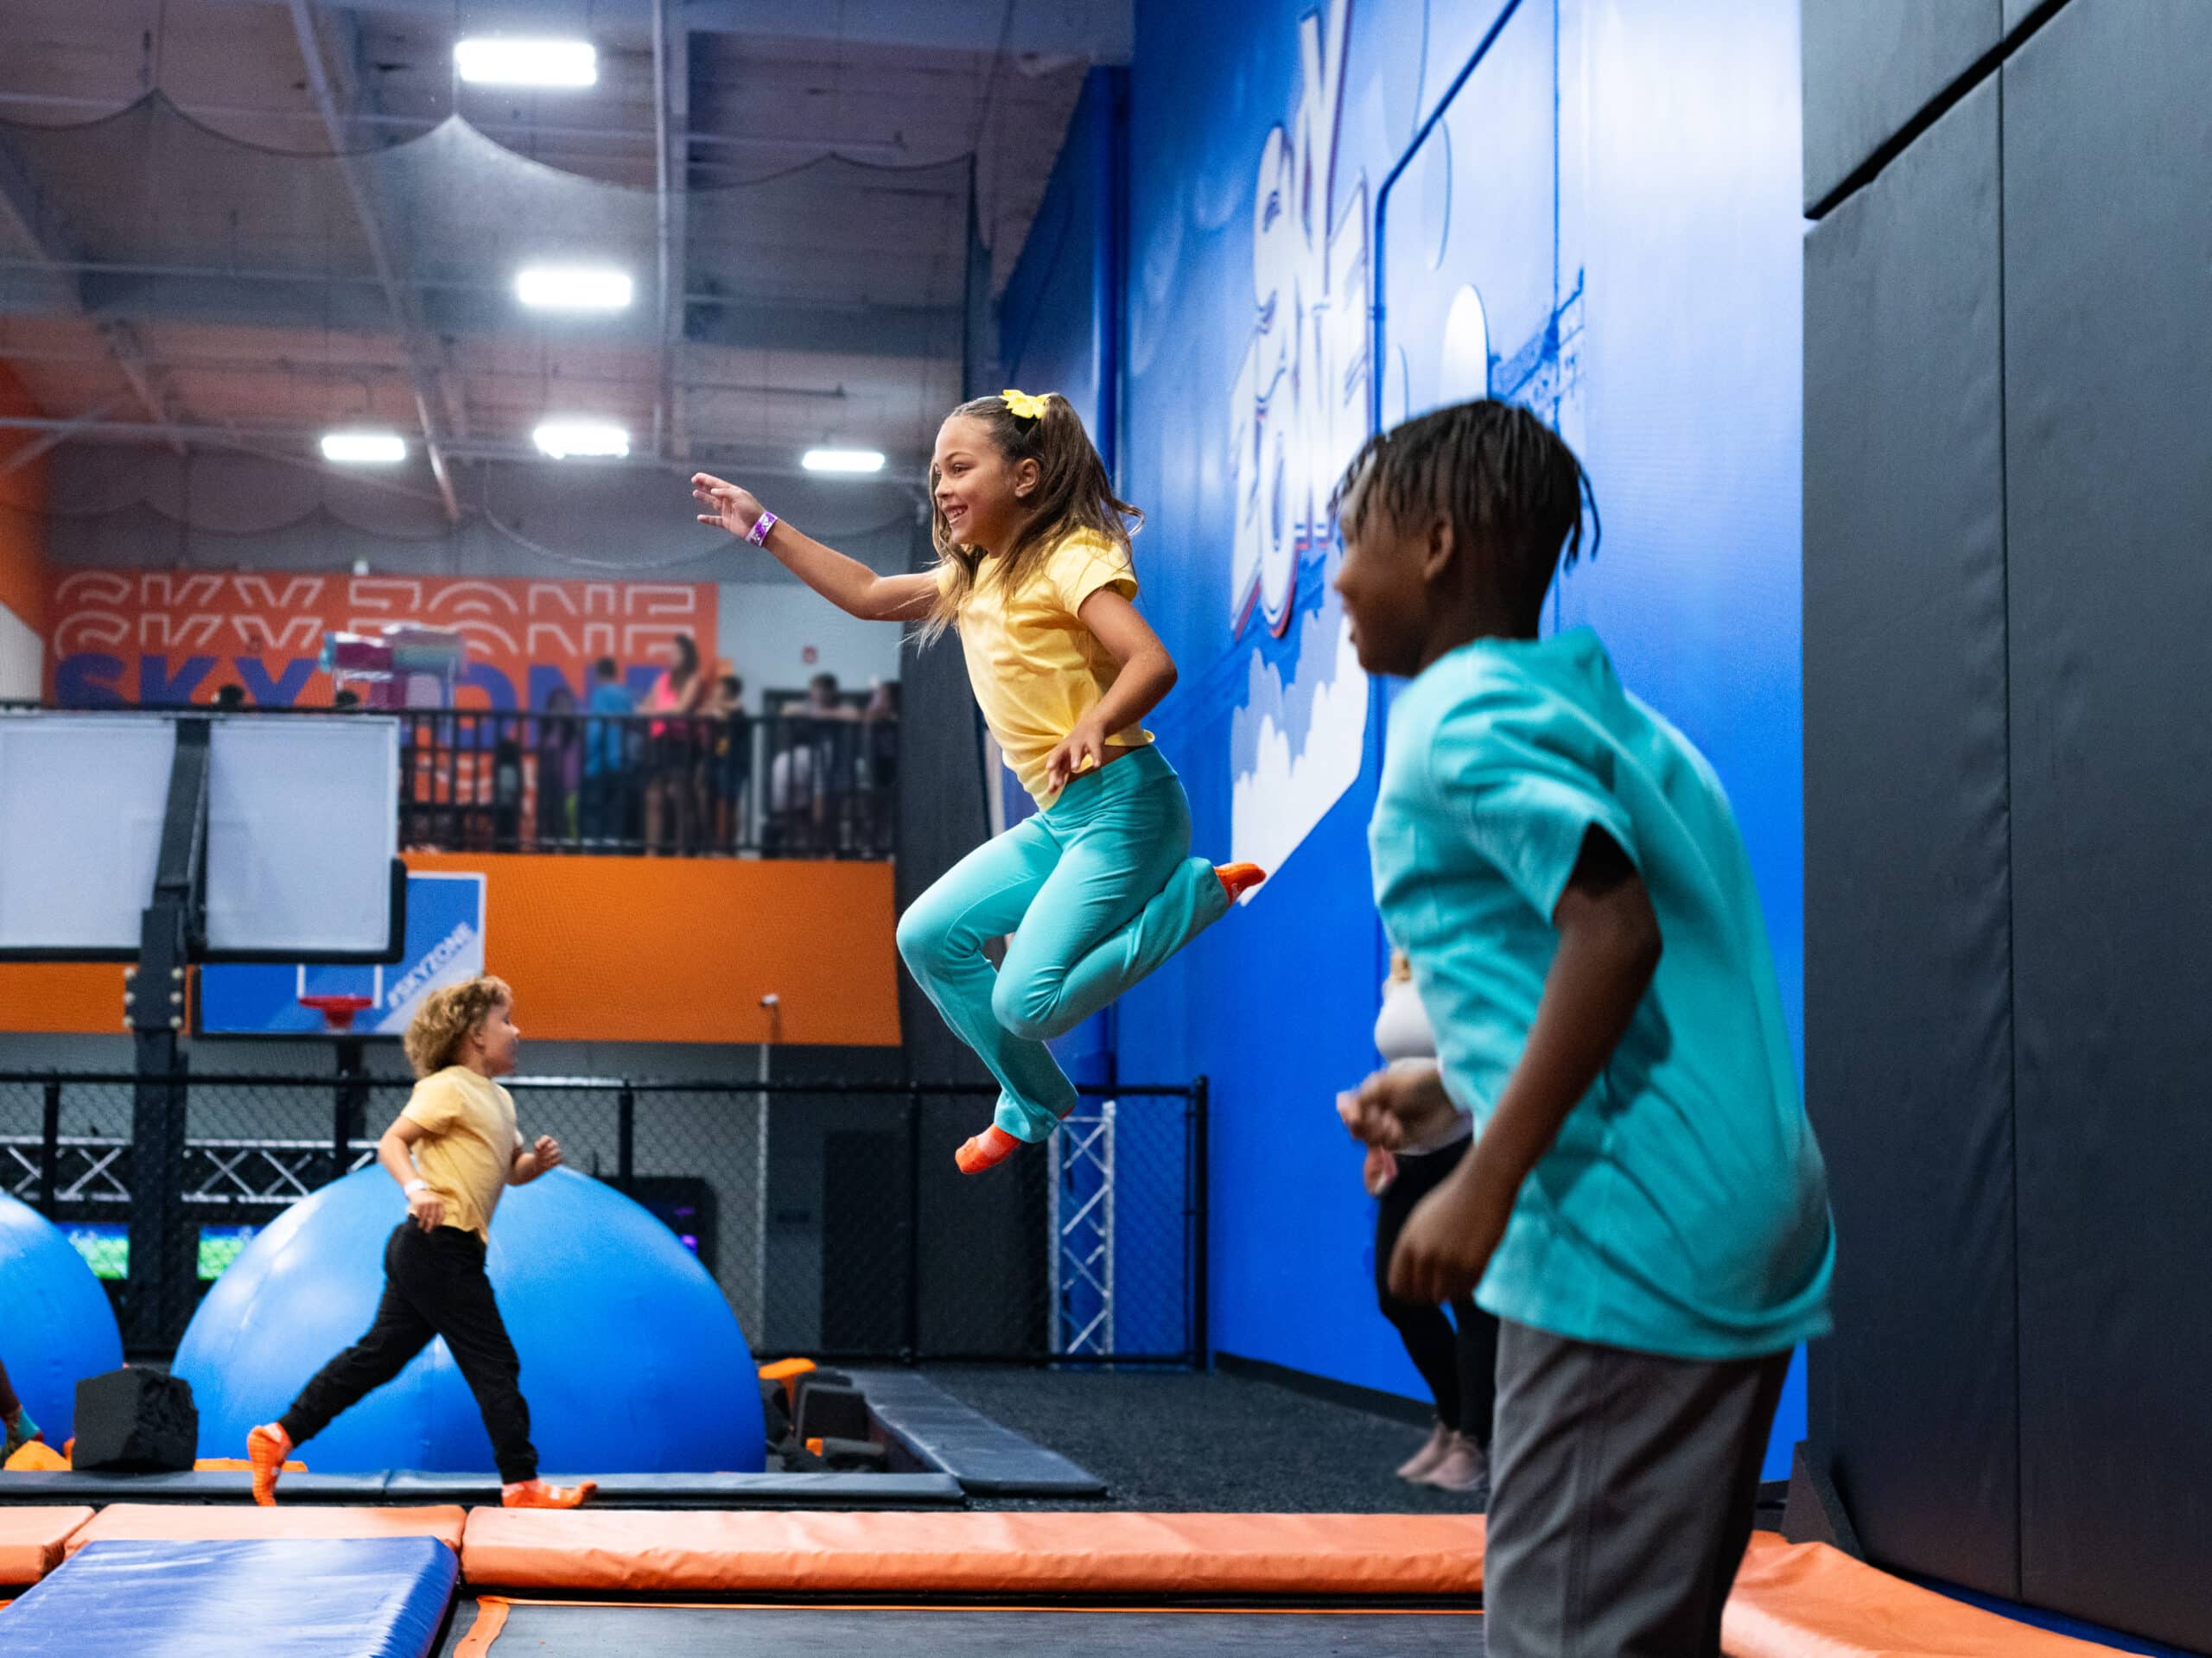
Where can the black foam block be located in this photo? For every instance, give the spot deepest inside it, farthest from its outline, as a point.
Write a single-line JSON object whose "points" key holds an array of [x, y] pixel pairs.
{"points": [[828, 1412], [1812, 1512], [775, 1413], [136, 1421], [851, 1454]]}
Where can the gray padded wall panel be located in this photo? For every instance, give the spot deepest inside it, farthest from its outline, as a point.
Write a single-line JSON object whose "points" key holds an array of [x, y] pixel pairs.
{"points": [[1908, 1041], [2108, 285], [1871, 65]]}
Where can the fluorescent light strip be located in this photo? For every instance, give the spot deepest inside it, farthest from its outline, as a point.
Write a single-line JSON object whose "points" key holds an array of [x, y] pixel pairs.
{"points": [[562, 439], [364, 448], [493, 61], [572, 287], [842, 461]]}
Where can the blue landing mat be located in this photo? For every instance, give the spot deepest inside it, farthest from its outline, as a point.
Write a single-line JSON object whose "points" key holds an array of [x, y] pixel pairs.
{"points": [[380, 1597]]}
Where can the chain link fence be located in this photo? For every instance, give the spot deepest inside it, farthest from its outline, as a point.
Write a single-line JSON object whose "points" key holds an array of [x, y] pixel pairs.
{"points": [[831, 1215]]}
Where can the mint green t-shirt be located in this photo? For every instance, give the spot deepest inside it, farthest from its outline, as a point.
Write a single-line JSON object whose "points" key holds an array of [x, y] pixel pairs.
{"points": [[1684, 1209]]}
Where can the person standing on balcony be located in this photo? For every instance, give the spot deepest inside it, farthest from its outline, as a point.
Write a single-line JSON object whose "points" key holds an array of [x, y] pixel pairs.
{"points": [[606, 756], [671, 739]]}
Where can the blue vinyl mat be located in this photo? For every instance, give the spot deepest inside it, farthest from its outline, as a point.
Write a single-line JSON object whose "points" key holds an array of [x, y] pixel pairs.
{"points": [[372, 1598]]}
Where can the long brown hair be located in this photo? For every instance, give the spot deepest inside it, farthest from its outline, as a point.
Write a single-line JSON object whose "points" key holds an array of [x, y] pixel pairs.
{"points": [[1073, 493]]}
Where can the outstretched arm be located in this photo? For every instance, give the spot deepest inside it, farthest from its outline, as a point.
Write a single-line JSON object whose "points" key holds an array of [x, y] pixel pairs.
{"points": [[845, 582]]}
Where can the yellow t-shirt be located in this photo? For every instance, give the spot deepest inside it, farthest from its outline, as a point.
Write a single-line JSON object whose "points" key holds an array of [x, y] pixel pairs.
{"points": [[1036, 668], [468, 1144]]}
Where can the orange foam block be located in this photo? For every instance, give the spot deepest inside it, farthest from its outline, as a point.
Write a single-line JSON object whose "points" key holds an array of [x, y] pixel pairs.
{"points": [[228, 1522], [1807, 1600], [38, 1458], [787, 1371], [976, 1554], [32, 1539]]}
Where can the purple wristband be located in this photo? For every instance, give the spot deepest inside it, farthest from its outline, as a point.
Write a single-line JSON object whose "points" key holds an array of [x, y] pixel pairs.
{"points": [[761, 526]]}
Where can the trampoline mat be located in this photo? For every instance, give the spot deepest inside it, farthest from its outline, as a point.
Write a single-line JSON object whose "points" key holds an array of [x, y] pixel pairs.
{"points": [[556, 1629]]}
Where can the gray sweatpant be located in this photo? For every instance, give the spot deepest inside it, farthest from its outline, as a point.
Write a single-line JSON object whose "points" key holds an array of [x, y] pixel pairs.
{"points": [[1622, 1488]]}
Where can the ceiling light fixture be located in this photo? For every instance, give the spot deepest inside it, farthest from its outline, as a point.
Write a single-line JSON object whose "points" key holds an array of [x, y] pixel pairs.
{"points": [[493, 61], [562, 439], [842, 461], [364, 448], [572, 287]]}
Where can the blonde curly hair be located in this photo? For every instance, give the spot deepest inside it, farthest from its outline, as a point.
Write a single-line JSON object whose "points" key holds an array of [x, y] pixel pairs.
{"points": [[443, 1022]]}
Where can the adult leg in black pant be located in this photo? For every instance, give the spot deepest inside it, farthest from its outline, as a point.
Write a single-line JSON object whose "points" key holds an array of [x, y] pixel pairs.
{"points": [[1458, 1364]]}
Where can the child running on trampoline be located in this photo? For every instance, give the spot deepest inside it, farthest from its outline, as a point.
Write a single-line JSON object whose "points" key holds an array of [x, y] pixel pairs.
{"points": [[1644, 1207], [453, 1150], [1098, 888]]}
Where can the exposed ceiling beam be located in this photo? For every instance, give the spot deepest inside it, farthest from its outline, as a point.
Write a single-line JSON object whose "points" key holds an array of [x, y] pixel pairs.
{"points": [[295, 447], [1103, 31], [671, 194], [429, 389], [61, 434], [893, 152], [25, 207]]}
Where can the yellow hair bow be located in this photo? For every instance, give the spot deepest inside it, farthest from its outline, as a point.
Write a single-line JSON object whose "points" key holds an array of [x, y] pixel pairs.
{"points": [[1023, 405]]}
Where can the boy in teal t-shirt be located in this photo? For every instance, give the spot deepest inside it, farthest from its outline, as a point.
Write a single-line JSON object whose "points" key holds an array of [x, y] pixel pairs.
{"points": [[1645, 1208]]}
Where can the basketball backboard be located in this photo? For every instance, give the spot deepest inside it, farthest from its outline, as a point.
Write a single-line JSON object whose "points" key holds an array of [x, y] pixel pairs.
{"points": [[303, 835]]}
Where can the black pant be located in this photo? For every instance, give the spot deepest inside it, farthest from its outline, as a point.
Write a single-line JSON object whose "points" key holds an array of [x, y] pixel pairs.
{"points": [[1458, 1364], [433, 1285]]}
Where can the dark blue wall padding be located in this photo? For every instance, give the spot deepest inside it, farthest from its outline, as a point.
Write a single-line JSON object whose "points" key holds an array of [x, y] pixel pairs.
{"points": [[1908, 1039], [1872, 65], [2108, 287], [987, 1459], [382, 1597]]}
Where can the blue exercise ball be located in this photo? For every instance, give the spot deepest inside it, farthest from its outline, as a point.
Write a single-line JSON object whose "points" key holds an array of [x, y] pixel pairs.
{"points": [[632, 1360], [58, 1327]]}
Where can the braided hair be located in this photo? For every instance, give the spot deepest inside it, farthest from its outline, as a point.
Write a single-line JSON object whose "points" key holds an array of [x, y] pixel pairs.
{"points": [[1504, 479]]}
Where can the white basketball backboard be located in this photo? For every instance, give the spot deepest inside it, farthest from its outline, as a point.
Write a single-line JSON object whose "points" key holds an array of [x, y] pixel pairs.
{"points": [[303, 831]]}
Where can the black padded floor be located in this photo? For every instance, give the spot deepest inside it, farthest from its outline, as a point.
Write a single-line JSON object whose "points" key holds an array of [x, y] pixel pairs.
{"points": [[1211, 1443], [557, 1632]]}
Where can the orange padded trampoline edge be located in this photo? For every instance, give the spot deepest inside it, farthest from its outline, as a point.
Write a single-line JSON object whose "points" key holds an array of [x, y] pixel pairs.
{"points": [[1807, 1600], [491, 1618], [976, 1553]]}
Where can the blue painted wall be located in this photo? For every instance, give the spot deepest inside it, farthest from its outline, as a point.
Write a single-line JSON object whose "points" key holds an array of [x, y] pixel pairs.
{"points": [[1615, 186]]}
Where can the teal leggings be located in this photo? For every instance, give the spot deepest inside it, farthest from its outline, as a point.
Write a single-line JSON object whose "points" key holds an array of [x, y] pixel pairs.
{"points": [[1098, 890]]}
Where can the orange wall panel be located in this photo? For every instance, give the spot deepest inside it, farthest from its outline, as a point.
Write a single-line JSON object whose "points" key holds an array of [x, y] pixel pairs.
{"points": [[682, 949], [72, 997], [626, 949]]}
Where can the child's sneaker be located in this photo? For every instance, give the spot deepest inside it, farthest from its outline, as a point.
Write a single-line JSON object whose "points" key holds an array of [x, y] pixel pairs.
{"points": [[985, 1150], [536, 1494], [1239, 879], [266, 1447], [1416, 1466]]}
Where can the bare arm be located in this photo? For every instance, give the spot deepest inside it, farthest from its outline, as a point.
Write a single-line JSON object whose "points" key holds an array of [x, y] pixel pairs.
{"points": [[532, 1163], [1608, 951], [845, 582], [425, 1208], [1147, 673]]}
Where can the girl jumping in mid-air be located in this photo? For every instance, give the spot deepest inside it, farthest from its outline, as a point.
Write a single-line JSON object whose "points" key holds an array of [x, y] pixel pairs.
{"points": [[1098, 888]]}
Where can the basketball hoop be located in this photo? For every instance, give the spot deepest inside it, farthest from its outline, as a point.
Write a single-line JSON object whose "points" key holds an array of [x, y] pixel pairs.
{"points": [[337, 1010]]}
